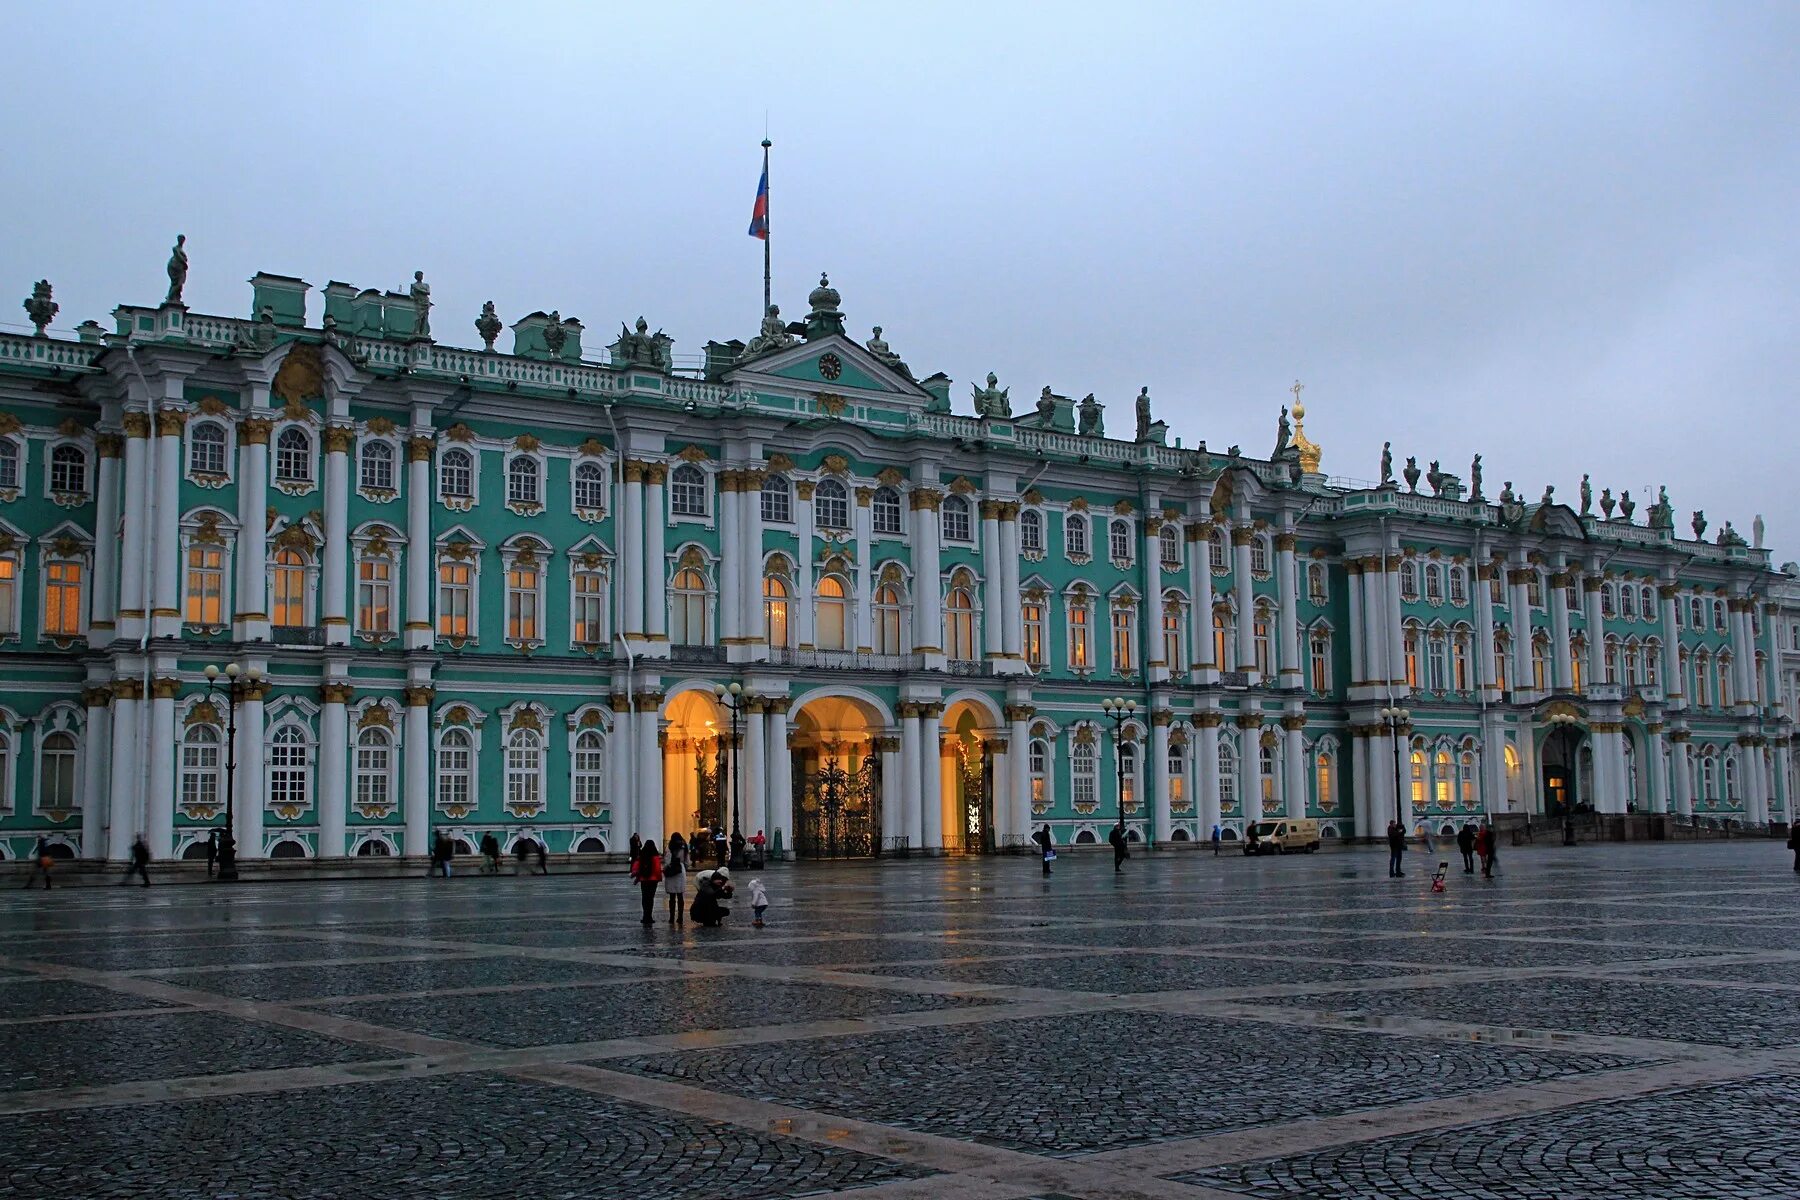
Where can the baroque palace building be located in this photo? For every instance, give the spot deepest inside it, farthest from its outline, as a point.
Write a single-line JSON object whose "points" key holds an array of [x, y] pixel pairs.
{"points": [[489, 592]]}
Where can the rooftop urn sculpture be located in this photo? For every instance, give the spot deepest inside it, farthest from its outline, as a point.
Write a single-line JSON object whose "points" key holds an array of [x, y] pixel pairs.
{"points": [[772, 336], [1587, 497], [1627, 505], [555, 336], [1411, 474], [488, 326], [178, 268], [39, 307], [1698, 524], [1475, 480], [1143, 416], [1606, 503], [992, 400], [1387, 463], [1091, 410], [420, 291], [1434, 478]]}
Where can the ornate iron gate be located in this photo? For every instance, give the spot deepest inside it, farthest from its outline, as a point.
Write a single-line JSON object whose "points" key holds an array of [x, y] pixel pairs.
{"points": [[840, 811]]}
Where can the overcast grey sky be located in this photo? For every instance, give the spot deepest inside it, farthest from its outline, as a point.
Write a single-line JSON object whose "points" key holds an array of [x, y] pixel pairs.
{"points": [[1563, 234]]}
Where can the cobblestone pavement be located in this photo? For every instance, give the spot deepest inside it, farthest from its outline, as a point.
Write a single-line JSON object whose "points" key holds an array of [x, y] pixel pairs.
{"points": [[1600, 1022]]}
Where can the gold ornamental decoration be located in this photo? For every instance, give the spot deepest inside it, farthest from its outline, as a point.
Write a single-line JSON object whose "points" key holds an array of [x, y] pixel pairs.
{"points": [[301, 377]]}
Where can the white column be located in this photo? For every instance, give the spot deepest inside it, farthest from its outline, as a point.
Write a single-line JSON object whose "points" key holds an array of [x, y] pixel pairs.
{"points": [[133, 603], [732, 551], [1162, 820], [928, 598], [333, 567], [250, 617], [1207, 724], [1674, 686], [621, 774], [1293, 759], [127, 774], [1288, 638], [931, 778], [250, 790], [1150, 632], [650, 767], [1200, 639], [1519, 578], [1250, 774], [1358, 652], [96, 748], [1000, 747], [1591, 583], [756, 770], [1681, 782], [1241, 537], [1656, 781], [911, 824], [656, 565], [863, 520], [1396, 631], [1491, 759], [332, 785], [800, 613], [750, 621], [1484, 630], [1609, 775], [1011, 600], [419, 553], [416, 786], [631, 616], [780, 767], [1375, 637], [993, 620], [165, 612], [105, 598], [159, 816], [1562, 668], [1363, 790], [1784, 766], [893, 789], [1018, 733]]}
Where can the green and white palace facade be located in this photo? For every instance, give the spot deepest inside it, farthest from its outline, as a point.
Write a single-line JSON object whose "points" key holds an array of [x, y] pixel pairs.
{"points": [[477, 591]]}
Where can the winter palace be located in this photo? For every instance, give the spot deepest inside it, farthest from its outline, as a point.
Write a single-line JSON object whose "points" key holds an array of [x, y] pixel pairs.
{"points": [[573, 593]]}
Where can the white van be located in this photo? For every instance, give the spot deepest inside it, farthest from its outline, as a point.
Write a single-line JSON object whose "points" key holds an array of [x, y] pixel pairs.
{"points": [[1282, 835]]}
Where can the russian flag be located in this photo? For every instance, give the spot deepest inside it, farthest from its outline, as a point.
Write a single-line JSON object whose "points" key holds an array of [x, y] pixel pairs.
{"points": [[759, 213]]}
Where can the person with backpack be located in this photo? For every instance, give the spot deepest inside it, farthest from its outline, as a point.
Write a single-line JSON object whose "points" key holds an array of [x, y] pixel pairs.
{"points": [[647, 871], [1396, 840], [675, 865], [1046, 848]]}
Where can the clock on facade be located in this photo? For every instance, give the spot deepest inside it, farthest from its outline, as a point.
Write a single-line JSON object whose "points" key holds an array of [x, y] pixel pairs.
{"points": [[830, 366]]}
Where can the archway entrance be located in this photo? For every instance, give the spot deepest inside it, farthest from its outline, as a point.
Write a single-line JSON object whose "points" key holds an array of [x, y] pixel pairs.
{"points": [[837, 779], [696, 769], [1564, 788], [967, 763]]}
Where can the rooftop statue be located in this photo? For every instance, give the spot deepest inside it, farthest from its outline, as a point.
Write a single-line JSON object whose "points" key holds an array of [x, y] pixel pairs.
{"points": [[772, 336], [178, 264], [1387, 463], [420, 291], [640, 347], [1475, 479], [1549, 497], [1627, 505], [555, 336], [261, 335], [1757, 531], [1435, 478], [1143, 416], [1046, 407], [992, 400], [1091, 423], [39, 307], [1662, 516], [1282, 434], [1411, 474], [488, 326], [881, 349], [1506, 492], [1730, 537], [1698, 524], [1587, 496]]}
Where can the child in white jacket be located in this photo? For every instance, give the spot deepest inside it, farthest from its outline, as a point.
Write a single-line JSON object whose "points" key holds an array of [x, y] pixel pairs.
{"points": [[759, 901]]}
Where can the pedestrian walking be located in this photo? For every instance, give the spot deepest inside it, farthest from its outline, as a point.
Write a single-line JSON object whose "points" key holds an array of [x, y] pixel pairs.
{"points": [[1120, 852], [1046, 848], [1490, 849], [140, 862], [1396, 837], [212, 851], [675, 872], [710, 887], [543, 858], [1465, 841], [1218, 838], [637, 843], [758, 843], [759, 902], [40, 864], [442, 851], [490, 854], [719, 845], [647, 870], [521, 853], [737, 848]]}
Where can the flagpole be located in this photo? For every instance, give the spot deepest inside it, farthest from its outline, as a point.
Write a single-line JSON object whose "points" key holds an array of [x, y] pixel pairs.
{"points": [[766, 290]]}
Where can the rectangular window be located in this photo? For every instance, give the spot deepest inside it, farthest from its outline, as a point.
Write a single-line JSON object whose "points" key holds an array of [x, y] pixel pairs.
{"points": [[287, 590], [1081, 646], [205, 585], [1034, 634], [1121, 640], [522, 603], [1172, 637], [589, 609], [62, 599], [455, 596], [9, 595], [375, 595]]}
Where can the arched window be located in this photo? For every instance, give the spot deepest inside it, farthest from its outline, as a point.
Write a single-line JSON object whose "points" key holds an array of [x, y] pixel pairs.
{"points": [[831, 505], [775, 611], [1325, 778], [687, 608], [1502, 652], [206, 448], [374, 769], [1437, 660], [1709, 774], [287, 589], [1174, 629], [455, 770], [1221, 629], [1628, 601], [1032, 619], [884, 511], [956, 519], [1259, 554], [1124, 637], [1731, 776], [777, 500], [1218, 552], [9, 463], [959, 623], [1465, 778], [590, 486], [1410, 641], [1075, 535], [1228, 781], [1577, 656], [887, 622], [1718, 607], [1268, 776], [1609, 600], [1316, 589], [205, 603], [1702, 679], [377, 471], [1409, 579], [1040, 775], [1118, 540], [1168, 540], [1725, 690], [831, 625], [687, 491], [1319, 645], [68, 469], [1084, 777], [1128, 775], [523, 480], [200, 768], [524, 772], [1633, 662], [1178, 781], [524, 599], [1434, 583], [587, 788], [1442, 780], [1081, 628], [1540, 661], [1612, 658], [1459, 658], [293, 456], [456, 474], [1534, 589], [1418, 779], [289, 769], [1459, 585], [1265, 655], [56, 768], [1031, 531]]}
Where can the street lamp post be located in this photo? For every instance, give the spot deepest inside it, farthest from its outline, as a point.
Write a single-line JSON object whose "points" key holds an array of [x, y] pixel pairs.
{"points": [[731, 696], [237, 685], [1118, 710], [1396, 719]]}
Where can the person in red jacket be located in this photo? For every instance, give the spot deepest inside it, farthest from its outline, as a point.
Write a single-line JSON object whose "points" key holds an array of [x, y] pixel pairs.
{"points": [[647, 869]]}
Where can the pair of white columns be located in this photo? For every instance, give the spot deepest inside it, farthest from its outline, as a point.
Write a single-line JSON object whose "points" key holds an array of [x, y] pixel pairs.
{"points": [[643, 595]]}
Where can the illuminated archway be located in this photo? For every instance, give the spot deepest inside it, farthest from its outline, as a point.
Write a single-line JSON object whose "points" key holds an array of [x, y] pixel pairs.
{"points": [[967, 736], [695, 764], [834, 753]]}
